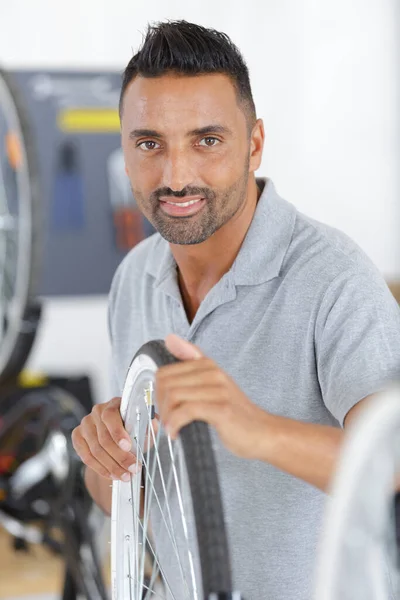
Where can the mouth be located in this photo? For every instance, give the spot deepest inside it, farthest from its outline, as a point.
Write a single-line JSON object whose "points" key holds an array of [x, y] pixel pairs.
{"points": [[184, 207]]}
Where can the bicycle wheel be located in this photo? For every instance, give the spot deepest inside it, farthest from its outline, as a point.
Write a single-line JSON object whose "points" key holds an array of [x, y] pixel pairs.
{"points": [[168, 532], [84, 575], [19, 220], [358, 558]]}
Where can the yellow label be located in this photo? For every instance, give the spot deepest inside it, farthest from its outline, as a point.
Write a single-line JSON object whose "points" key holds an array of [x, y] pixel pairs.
{"points": [[89, 120], [29, 379]]}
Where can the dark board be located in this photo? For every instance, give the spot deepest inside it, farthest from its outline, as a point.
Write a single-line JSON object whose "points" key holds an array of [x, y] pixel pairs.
{"points": [[86, 197]]}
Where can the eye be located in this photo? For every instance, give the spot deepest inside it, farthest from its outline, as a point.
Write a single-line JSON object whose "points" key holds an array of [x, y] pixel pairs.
{"points": [[209, 142], [148, 145]]}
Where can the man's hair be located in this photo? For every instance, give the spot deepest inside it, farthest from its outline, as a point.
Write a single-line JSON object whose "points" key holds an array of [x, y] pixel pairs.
{"points": [[189, 49]]}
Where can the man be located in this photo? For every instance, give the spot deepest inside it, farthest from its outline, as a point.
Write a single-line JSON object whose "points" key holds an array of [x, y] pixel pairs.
{"points": [[283, 325]]}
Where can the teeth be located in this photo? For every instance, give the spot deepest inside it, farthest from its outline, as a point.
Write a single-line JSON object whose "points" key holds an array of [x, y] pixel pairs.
{"points": [[184, 204]]}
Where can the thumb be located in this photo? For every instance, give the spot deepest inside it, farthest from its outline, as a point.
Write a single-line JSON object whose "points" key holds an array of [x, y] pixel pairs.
{"points": [[181, 348]]}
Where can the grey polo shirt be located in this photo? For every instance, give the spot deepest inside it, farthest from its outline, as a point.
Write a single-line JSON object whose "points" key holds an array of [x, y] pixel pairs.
{"points": [[306, 326]]}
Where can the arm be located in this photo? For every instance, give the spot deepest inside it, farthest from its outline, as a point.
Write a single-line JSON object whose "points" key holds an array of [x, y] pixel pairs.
{"points": [[197, 389], [305, 450]]}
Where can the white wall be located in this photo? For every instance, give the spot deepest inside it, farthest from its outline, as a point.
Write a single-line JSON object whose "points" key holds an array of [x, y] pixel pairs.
{"points": [[325, 77]]}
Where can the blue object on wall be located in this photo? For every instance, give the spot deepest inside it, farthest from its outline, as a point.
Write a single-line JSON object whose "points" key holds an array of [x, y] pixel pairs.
{"points": [[68, 211]]}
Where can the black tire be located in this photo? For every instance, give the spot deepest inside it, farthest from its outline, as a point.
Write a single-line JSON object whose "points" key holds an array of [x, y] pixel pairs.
{"points": [[205, 493], [83, 575], [69, 591], [12, 364]]}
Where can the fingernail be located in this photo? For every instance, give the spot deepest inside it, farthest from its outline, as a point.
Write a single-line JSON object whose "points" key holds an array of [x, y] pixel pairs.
{"points": [[135, 468], [124, 445], [125, 477]]}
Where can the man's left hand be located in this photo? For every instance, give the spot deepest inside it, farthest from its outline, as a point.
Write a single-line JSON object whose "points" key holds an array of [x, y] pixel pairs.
{"points": [[197, 389]]}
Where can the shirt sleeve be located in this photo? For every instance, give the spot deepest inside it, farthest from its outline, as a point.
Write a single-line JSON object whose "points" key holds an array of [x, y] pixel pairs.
{"points": [[357, 340]]}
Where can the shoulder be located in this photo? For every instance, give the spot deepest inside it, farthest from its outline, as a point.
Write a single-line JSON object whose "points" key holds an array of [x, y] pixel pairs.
{"points": [[322, 254], [324, 268]]}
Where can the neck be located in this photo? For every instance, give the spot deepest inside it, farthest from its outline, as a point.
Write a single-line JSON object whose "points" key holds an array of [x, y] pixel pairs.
{"points": [[201, 266]]}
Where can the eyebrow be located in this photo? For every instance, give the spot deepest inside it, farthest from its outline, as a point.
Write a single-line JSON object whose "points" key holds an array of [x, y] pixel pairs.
{"points": [[208, 129]]}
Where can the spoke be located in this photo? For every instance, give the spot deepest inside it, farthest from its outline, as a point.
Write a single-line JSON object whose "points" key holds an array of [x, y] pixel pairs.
{"points": [[152, 592], [158, 563], [184, 524], [146, 507], [155, 571], [137, 520], [169, 531], [154, 576], [165, 490]]}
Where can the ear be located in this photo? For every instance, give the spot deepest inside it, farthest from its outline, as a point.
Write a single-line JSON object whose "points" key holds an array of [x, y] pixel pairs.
{"points": [[256, 145]]}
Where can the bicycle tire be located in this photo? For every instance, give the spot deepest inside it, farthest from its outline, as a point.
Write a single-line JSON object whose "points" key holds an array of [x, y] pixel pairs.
{"points": [[205, 494], [83, 574], [15, 353]]}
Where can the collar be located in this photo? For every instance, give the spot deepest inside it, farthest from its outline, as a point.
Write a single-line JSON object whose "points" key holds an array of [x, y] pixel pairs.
{"points": [[263, 250]]}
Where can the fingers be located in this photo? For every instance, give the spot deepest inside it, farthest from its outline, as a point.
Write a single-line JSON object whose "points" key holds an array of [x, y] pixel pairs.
{"points": [[96, 447], [181, 348], [111, 417], [197, 371], [99, 440], [83, 451], [174, 397], [88, 443], [210, 412]]}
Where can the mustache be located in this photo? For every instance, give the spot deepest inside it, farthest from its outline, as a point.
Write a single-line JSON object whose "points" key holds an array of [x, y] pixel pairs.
{"points": [[186, 191]]}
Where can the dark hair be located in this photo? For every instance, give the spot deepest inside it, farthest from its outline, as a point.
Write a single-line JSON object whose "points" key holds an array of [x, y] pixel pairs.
{"points": [[190, 49]]}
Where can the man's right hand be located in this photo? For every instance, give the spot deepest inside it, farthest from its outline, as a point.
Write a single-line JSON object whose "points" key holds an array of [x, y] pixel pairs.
{"points": [[103, 444]]}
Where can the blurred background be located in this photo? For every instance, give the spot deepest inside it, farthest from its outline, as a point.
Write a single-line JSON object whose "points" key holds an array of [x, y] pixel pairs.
{"points": [[325, 78], [326, 81]]}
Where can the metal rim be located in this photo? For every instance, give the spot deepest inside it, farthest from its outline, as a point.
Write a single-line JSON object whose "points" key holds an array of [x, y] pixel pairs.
{"points": [[167, 514]]}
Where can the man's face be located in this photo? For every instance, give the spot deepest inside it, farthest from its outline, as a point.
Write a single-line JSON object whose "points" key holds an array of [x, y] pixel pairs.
{"points": [[185, 139]]}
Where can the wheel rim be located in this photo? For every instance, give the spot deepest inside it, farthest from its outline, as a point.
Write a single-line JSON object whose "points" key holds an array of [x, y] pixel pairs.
{"points": [[358, 543], [15, 225], [154, 556]]}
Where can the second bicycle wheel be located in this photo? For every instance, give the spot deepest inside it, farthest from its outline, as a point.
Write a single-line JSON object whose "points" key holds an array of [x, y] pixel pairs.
{"points": [[168, 532], [20, 227]]}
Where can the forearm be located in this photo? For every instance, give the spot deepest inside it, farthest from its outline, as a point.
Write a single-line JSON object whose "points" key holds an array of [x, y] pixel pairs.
{"points": [[305, 450], [100, 489]]}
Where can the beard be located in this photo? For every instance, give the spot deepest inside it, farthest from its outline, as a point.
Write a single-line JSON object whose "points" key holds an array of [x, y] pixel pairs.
{"points": [[219, 208]]}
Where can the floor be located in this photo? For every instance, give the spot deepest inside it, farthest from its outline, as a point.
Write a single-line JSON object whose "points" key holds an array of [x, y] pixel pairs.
{"points": [[36, 575]]}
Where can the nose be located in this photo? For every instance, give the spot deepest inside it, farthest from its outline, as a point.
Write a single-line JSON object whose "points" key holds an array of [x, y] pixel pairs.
{"points": [[178, 170]]}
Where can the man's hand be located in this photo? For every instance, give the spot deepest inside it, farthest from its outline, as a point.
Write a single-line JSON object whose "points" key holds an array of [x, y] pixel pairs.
{"points": [[103, 444], [198, 389]]}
